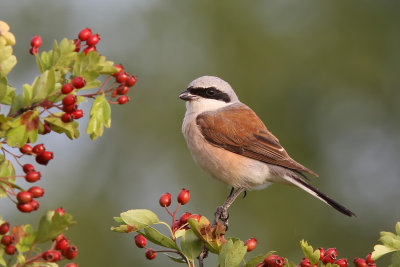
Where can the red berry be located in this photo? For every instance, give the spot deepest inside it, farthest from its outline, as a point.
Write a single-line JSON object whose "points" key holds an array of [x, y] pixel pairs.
{"points": [[121, 77], [150, 254], [62, 244], [70, 108], [131, 81], [165, 200], [24, 197], [59, 237], [184, 196], [369, 259], [36, 191], [67, 88], [184, 218], [274, 261], [69, 100], [330, 255], [44, 157], [342, 262], [77, 114], [51, 256], [28, 168], [251, 244], [60, 211], [10, 249], [46, 128], [36, 41], [26, 149], [78, 82], [67, 117], [93, 39], [72, 264], [38, 149], [120, 69], [176, 225], [7, 240], [358, 262], [27, 207], [71, 252], [140, 241], [33, 50], [321, 253], [33, 176], [89, 49], [122, 99], [4, 228], [195, 217], [77, 44], [84, 34], [122, 89], [34, 204], [305, 263]]}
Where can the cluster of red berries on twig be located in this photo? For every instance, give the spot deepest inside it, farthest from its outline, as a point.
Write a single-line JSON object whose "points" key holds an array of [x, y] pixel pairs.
{"points": [[36, 42], [367, 262], [25, 199], [125, 82], [7, 240], [272, 261], [86, 36]]}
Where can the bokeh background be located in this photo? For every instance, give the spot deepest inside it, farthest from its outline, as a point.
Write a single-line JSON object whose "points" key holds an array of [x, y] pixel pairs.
{"points": [[323, 75]]}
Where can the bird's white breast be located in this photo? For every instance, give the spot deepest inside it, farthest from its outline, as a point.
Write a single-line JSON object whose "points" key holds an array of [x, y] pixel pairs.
{"points": [[230, 168]]}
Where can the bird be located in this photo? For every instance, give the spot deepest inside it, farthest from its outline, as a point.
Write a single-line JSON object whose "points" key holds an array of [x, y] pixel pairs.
{"points": [[230, 142]]}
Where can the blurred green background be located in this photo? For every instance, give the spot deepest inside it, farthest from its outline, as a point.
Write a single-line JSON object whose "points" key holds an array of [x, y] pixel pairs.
{"points": [[323, 75]]}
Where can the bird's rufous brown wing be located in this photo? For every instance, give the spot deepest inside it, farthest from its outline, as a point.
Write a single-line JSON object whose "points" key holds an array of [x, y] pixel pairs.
{"points": [[238, 129]]}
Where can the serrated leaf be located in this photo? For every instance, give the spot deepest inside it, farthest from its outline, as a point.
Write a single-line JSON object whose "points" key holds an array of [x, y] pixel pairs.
{"points": [[43, 86], [176, 259], [380, 250], [7, 59], [18, 102], [53, 224], [309, 252], [23, 127], [64, 54], [191, 245], [70, 129], [232, 253], [139, 218], [158, 238], [7, 93], [7, 173], [100, 117], [253, 262]]}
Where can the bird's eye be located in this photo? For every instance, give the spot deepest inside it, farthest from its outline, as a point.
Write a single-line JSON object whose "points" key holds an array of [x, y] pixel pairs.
{"points": [[211, 91]]}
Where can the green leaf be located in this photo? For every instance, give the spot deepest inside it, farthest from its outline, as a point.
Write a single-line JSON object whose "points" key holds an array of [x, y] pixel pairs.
{"points": [[309, 252], [122, 228], [191, 245], [119, 220], [398, 228], [24, 127], [18, 102], [64, 54], [2, 261], [70, 129], [7, 92], [257, 259], [176, 259], [43, 86], [395, 260], [232, 253], [91, 65], [7, 173], [51, 225], [100, 117], [158, 238], [212, 246], [7, 59], [139, 218], [380, 250], [179, 233]]}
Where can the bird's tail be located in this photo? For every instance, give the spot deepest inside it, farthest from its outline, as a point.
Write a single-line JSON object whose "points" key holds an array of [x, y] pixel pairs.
{"points": [[293, 179]]}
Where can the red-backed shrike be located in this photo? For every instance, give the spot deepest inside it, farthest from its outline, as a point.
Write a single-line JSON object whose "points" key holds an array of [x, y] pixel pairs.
{"points": [[230, 142]]}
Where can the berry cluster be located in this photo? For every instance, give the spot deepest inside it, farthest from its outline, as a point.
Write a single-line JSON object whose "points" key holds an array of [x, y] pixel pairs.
{"points": [[61, 248], [7, 240], [125, 82], [36, 42], [69, 102], [87, 36], [367, 262], [272, 261]]}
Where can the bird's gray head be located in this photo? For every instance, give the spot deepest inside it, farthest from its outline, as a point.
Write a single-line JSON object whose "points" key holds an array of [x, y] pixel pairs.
{"points": [[208, 93]]}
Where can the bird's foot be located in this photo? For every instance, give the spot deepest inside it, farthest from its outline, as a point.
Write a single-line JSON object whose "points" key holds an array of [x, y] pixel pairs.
{"points": [[222, 214]]}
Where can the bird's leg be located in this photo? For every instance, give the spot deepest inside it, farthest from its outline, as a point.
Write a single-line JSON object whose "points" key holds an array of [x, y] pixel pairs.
{"points": [[222, 211]]}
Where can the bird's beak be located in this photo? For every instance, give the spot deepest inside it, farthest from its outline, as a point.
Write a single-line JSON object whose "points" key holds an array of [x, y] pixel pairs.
{"points": [[186, 95]]}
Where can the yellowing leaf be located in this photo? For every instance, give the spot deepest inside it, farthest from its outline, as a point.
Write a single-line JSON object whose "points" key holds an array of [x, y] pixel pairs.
{"points": [[100, 117]]}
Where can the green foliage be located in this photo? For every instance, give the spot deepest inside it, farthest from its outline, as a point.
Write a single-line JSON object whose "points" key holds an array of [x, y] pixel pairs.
{"points": [[309, 252], [139, 218], [7, 176], [390, 243], [51, 225], [191, 245], [232, 253], [158, 238], [70, 129], [100, 117]]}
